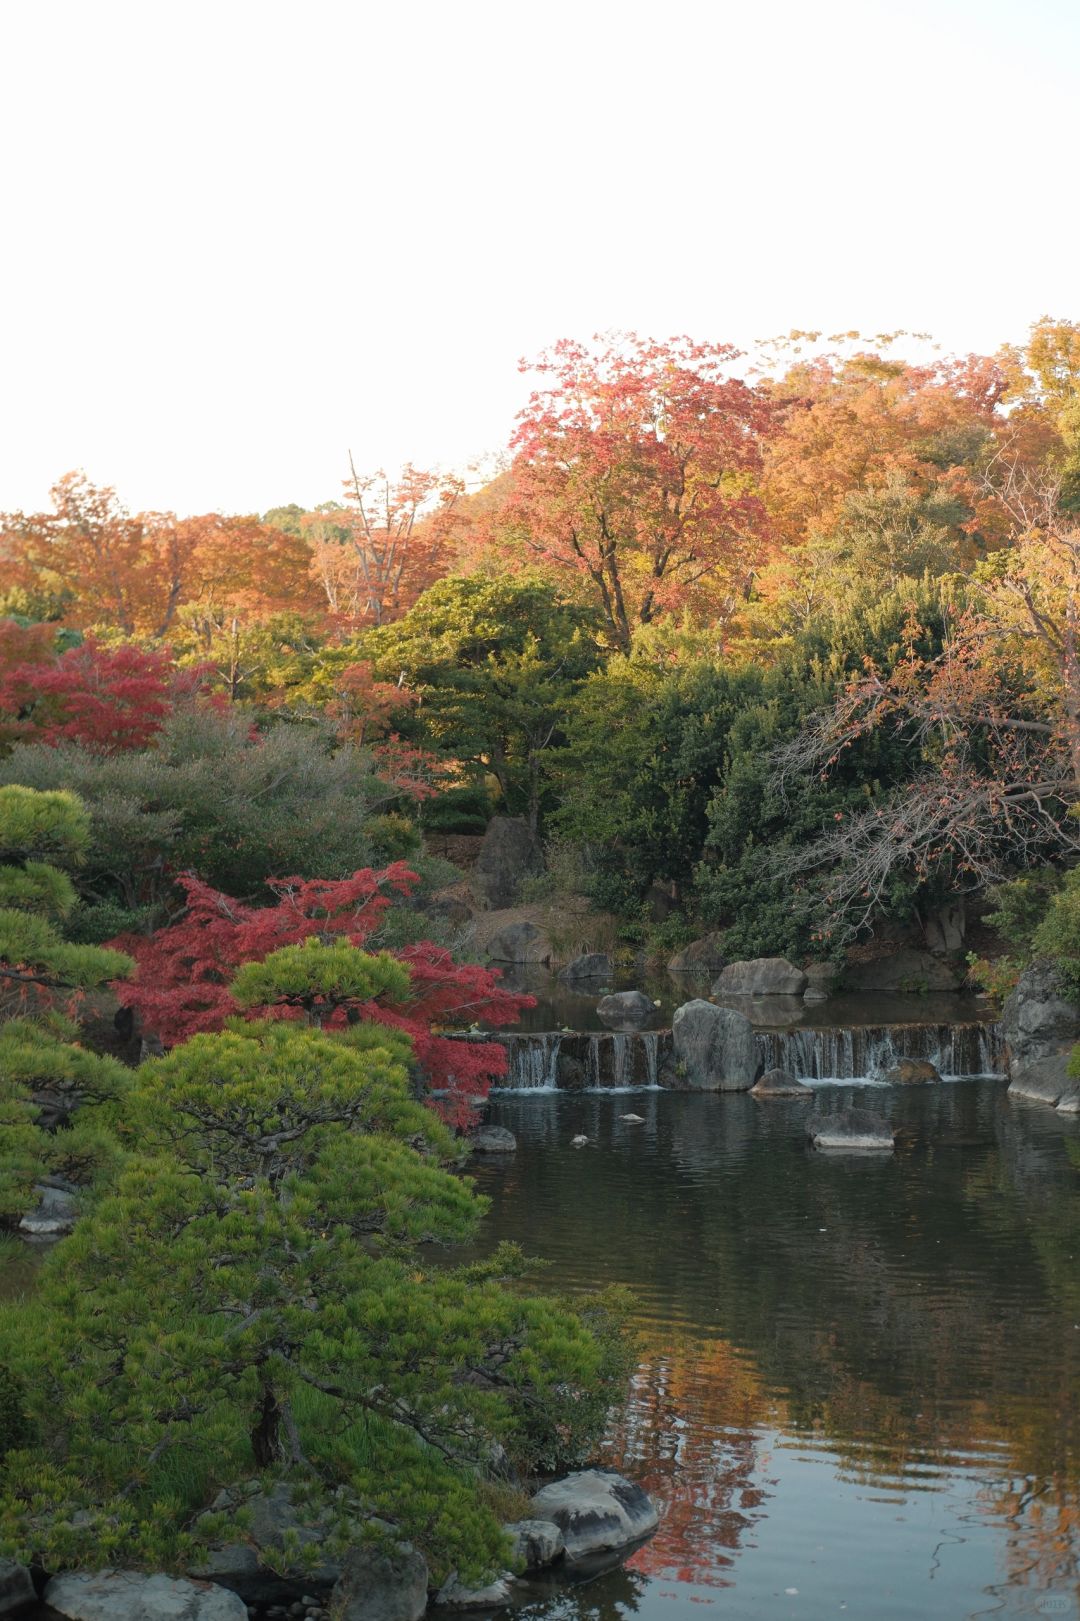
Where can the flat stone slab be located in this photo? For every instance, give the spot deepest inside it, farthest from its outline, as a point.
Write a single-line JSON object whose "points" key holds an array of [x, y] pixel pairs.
{"points": [[124, 1595]]}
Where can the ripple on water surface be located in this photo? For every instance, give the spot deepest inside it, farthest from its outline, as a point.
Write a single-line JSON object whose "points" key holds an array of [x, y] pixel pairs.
{"points": [[858, 1379]]}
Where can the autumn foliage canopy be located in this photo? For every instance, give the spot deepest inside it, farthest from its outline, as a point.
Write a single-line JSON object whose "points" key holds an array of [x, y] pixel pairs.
{"points": [[183, 975]]}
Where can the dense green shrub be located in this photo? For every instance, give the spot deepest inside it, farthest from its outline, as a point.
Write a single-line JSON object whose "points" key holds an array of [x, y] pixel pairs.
{"points": [[465, 808], [253, 1295], [212, 797], [495, 660]]}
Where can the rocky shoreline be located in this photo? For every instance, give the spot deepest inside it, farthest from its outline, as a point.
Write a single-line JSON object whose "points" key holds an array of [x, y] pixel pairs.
{"points": [[590, 1514]]}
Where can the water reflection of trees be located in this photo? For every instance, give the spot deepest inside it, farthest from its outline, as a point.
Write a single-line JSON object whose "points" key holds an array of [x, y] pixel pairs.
{"points": [[690, 1434], [909, 1317]]}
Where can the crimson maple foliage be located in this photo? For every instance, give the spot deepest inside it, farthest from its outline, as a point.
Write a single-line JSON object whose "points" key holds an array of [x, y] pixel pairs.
{"points": [[110, 698], [183, 972]]}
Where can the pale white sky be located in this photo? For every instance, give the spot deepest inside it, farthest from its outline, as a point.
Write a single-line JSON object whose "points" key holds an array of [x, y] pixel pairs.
{"points": [[240, 238]]}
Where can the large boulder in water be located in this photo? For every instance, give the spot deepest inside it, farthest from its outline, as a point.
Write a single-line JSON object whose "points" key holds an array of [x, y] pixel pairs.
{"points": [[780, 1083], [519, 943], [1042, 1025], [762, 976], [126, 1595], [509, 853], [714, 1049], [704, 956], [904, 971], [597, 1511], [626, 1010], [912, 1072], [590, 965], [493, 1140], [850, 1129]]}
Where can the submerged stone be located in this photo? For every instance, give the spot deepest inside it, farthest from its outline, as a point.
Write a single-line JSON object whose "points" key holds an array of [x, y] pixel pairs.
{"points": [[780, 1083], [855, 1129], [493, 1140], [912, 1072]]}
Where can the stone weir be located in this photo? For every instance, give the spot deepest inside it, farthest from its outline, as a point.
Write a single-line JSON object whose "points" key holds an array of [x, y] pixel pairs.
{"points": [[584, 1061], [854, 1052], [598, 1060]]}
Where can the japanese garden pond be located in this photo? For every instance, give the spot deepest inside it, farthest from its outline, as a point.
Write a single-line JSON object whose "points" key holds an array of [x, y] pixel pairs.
{"points": [[859, 1383]]}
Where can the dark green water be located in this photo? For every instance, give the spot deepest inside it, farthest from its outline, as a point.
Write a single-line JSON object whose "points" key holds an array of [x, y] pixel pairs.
{"points": [[859, 1385]]}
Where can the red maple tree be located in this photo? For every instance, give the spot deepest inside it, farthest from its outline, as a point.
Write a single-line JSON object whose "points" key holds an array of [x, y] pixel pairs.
{"points": [[181, 983], [110, 698]]}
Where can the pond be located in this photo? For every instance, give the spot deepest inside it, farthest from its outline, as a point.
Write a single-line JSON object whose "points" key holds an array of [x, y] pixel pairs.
{"points": [[859, 1382]]}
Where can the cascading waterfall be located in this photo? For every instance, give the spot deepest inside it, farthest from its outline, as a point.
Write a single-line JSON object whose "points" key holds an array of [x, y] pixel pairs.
{"points": [[867, 1051], [600, 1060], [532, 1062], [650, 1041], [606, 1060]]}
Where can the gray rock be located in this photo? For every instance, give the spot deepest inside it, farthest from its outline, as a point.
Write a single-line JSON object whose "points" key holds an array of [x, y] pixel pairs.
{"points": [[945, 929], [905, 970], [520, 943], [780, 1083], [125, 1595], [850, 1129], [704, 956], [590, 965], [813, 997], [626, 1010], [1041, 1028], [912, 1072], [269, 1516], [537, 1543], [597, 1510], [493, 1140], [763, 976], [570, 1073], [381, 1582], [509, 853], [54, 1215], [714, 1049], [453, 1596], [822, 977], [17, 1590]]}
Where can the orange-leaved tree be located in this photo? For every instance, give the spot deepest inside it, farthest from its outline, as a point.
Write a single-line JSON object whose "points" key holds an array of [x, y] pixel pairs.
{"points": [[635, 465], [393, 538]]}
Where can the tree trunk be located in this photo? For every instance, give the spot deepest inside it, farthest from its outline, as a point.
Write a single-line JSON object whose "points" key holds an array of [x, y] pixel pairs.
{"points": [[266, 1436]]}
